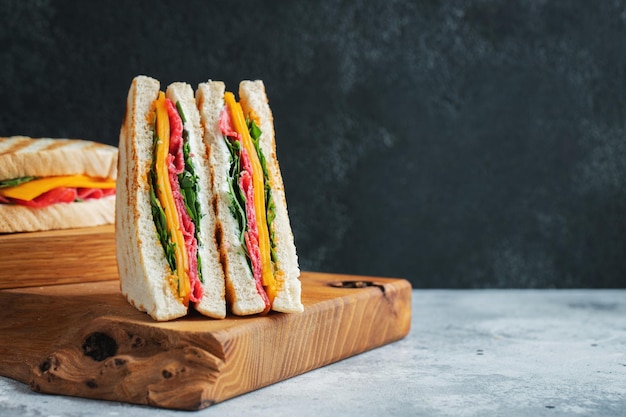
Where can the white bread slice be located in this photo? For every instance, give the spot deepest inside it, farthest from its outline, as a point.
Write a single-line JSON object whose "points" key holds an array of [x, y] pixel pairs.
{"points": [[241, 293], [288, 299], [212, 303], [142, 266], [15, 218], [22, 156]]}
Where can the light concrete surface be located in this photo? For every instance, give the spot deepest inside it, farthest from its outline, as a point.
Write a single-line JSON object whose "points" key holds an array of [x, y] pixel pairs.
{"points": [[469, 353]]}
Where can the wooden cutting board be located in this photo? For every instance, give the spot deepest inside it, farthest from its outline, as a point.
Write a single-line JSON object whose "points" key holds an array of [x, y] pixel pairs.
{"points": [[57, 257], [84, 339]]}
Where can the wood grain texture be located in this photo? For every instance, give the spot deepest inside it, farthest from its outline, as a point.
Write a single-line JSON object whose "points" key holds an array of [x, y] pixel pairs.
{"points": [[58, 257], [86, 340]]}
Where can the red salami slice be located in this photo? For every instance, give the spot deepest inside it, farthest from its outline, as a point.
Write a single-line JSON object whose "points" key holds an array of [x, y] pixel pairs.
{"points": [[61, 195], [54, 196], [176, 165], [176, 137], [251, 235]]}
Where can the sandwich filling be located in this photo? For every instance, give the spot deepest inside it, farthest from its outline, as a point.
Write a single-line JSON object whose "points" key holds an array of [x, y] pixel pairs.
{"points": [[175, 208], [251, 197], [39, 192]]}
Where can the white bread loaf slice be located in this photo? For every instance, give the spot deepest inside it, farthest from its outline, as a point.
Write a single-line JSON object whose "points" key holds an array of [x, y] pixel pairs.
{"points": [[288, 299], [212, 303], [15, 218], [22, 156], [241, 292], [143, 270]]}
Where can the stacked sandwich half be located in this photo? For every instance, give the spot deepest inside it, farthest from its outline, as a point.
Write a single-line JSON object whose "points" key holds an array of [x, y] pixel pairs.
{"points": [[201, 216], [50, 184]]}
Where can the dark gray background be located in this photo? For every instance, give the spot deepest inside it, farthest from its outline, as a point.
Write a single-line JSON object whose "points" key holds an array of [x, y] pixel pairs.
{"points": [[456, 144]]}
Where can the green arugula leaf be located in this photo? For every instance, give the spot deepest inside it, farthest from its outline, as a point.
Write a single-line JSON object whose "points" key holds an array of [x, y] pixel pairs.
{"points": [[189, 188], [237, 196], [237, 199], [179, 108], [15, 181], [255, 131], [270, 207], [158, 214], [160, 223]]}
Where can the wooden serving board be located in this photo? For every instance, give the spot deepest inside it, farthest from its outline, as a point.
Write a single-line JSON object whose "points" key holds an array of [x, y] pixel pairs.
{"points": [[85, 340], [57, 257]]}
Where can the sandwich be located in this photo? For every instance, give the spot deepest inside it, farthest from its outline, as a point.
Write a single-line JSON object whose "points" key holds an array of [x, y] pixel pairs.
{"points": [[167, 255], [255, 239], [49, 184]]}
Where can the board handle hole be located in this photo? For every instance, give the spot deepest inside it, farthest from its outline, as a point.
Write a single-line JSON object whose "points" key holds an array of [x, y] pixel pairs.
{"points": [[356, 284], [99, 346]]}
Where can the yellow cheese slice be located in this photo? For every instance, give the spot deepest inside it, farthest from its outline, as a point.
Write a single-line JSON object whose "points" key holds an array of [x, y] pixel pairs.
{"points": [[165, 196], [239, 123], [33, 189]]}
